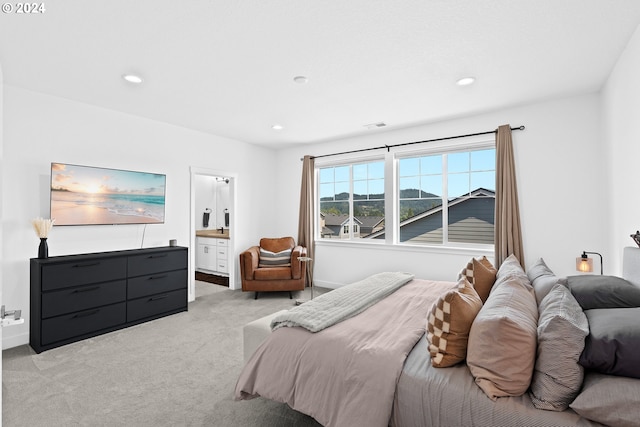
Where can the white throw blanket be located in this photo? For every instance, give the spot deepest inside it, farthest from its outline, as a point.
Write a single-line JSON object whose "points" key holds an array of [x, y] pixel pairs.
{"points": [[342, 303]]}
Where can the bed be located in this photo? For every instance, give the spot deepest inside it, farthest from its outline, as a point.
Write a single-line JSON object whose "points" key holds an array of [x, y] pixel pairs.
{"points": [[374, 368]]}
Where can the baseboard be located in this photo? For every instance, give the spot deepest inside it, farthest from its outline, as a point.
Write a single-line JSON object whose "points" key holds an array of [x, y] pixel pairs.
{"points": [[15, 341], [328, 285]]}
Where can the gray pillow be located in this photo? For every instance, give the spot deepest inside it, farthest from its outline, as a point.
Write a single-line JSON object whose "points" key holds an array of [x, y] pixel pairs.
{"points": [[613, 344], [603, 292], [609, 400], [542, 279], [562, 327]]}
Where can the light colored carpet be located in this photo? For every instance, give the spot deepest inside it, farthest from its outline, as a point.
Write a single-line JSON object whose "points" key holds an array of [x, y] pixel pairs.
{"points": [[180, 370]]}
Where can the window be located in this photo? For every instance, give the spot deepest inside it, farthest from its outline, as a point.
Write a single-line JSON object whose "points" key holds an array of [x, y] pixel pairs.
{"points": [[352, 200], [447, 198], [439, 198]]}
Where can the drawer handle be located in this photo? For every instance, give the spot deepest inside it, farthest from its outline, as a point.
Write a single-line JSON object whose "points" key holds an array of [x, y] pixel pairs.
{"points": [[87, 264], [157, 277], [157, 256], [93, 288], [86, 313], [159, 297]]}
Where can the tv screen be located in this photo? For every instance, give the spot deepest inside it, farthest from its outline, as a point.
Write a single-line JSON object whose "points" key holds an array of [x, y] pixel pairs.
{"points": [[86, 195]]}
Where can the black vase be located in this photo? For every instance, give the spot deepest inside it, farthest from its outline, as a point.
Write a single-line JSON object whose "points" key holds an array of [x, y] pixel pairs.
{"points": [[43, 249]]}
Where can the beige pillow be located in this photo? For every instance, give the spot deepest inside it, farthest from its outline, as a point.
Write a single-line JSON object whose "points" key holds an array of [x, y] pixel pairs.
{"points": [[511, 267], [502, 342], [481, 274], [449, 322]]}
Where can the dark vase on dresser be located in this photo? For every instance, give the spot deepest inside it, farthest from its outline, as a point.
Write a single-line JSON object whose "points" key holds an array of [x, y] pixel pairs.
{"points": [[81, 296], [43, 248]]}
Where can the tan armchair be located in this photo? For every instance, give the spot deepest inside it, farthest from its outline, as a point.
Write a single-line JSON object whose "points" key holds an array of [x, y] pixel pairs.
{"points": [[274, 278]]}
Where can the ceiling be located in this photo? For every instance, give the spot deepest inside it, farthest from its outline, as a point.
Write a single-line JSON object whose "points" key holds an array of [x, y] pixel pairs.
{"points": [[226, 67]]}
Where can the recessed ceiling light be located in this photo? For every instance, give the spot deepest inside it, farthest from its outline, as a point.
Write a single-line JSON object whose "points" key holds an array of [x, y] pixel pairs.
{"points": [[132, 78], [466, 81], [277, 127], [300, 79]]}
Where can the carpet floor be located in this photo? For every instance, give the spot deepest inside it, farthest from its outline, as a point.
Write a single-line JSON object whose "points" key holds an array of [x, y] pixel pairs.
{"points": [[180, 370]]}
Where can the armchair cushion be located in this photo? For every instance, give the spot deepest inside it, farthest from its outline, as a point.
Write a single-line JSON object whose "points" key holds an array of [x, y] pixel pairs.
{"points": [[273, 273]]}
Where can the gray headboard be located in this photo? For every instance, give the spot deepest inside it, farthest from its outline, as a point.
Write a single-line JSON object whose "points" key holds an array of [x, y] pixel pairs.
{"points": [[631, 265]]}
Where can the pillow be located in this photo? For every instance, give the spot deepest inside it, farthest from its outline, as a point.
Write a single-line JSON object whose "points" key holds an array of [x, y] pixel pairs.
{"points": [[449, 322], [542, 279], [562, 327], [511, 267], [481, 274], [502, 342], [593, 291], [613, 344], [274, 259], [609, 400]]}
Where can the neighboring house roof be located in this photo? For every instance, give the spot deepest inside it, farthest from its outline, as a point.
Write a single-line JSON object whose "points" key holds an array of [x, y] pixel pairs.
{"points": [[437, 209], [333, 219], [370, 221]]}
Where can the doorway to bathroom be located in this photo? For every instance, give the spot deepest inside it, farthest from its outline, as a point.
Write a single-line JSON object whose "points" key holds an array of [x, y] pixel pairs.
{"points": [[213, 221]]}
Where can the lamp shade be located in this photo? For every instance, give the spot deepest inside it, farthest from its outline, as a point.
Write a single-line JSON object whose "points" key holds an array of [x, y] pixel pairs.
{"points": [[584, 264]]}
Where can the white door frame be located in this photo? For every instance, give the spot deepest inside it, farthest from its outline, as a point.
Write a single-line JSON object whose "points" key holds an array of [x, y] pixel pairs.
{"points": [[233, 225]]}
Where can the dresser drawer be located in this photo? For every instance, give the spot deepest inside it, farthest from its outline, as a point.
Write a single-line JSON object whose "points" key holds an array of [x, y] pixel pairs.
{"points": [[157, 304], [156, 283], [64, 275], [83, 297], [83, 322], [223, 242], [140, 265]]}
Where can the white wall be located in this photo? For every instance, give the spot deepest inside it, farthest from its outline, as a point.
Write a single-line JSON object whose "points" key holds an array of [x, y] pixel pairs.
{"points": [[621, 125], [1, 217], [561, 177], [40, 129], [206, 189]]}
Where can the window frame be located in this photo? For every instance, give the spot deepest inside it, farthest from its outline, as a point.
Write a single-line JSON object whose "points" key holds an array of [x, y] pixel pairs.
{"points": [[351, 226], [392, 200]]}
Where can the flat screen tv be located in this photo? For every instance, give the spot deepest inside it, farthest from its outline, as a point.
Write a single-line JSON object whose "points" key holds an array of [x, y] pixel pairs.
{"points": [[86, 195]]}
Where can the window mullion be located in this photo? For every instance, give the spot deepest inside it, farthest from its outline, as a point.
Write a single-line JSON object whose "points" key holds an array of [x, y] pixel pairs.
{"points": [[445, 200], [351, 211]]}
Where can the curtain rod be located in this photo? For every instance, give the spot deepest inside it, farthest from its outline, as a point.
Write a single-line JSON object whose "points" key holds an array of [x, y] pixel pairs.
{"points": [[411, 143]]}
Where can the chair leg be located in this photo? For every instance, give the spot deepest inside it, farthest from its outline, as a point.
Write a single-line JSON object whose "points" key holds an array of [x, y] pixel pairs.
{"points": [[256, 297], [290, 296]]}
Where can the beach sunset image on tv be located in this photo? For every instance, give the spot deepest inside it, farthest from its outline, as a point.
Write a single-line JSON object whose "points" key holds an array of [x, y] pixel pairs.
{"points": [[85, 195]]}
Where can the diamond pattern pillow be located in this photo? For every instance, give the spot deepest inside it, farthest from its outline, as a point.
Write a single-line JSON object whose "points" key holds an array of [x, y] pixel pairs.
{"points": [[481, 274], [449, 322]]}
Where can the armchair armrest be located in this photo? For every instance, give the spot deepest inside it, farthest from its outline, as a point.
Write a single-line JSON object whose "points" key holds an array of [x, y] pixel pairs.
{"points": [[297, 266], [249, 261]]}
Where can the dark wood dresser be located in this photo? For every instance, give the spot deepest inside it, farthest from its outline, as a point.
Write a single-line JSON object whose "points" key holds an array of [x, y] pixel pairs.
{"points": [[80, 296]]}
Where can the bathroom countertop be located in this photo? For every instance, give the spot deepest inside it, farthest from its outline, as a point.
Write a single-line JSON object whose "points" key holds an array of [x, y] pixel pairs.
{"points": [[213, 233]]}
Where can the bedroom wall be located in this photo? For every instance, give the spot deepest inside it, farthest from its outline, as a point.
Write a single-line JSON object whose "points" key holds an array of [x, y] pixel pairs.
{"points": [[40, 129], [621, 129], [561, 179], [1, 204]]}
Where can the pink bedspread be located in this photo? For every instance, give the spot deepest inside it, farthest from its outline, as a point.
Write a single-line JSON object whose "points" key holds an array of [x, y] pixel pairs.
{"points": [[344, 375]]}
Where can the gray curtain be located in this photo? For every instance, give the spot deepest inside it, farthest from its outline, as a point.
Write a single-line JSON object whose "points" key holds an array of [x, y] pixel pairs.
{"points": [[508, 236], [306, 215]]}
